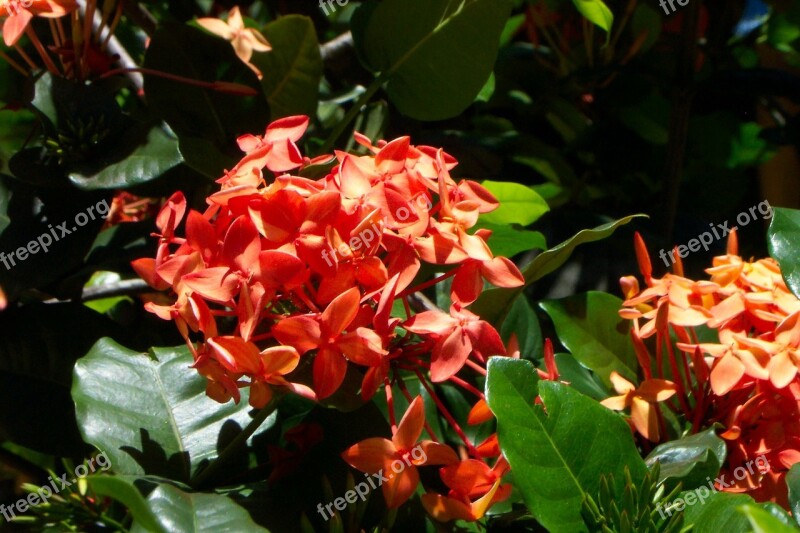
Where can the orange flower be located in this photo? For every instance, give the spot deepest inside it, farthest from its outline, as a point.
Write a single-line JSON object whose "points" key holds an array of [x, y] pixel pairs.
{"points": [[21, 12], [244, 40], [460, 334], [467, 480], [396, 460], [642, 401], [326, 334]]}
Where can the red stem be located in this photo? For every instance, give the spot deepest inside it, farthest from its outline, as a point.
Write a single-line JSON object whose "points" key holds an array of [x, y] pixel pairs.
{"points": [[390, 403], [427, 284], [447, 415], [463, 384]]}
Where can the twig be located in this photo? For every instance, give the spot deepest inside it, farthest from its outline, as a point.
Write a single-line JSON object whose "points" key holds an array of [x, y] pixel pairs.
{"points": [[121, 288], [336, 47]]}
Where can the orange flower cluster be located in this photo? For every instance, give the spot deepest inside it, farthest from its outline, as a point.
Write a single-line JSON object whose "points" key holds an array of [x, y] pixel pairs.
{"points": [[281, 273], [734, 361]]}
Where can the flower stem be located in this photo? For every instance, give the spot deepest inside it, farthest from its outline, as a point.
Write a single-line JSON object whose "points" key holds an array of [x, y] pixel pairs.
{"points": [[447, 415], [14, 64]]}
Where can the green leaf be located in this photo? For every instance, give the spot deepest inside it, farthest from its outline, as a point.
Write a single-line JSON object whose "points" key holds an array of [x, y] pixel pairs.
{"points": [[177, 510], [579, 378], [558, 453], [508, 241], [518, 204], [494, 304], [199, 113], [793, 482], [690, 460], [523, 322], [553, 258], [762, 521], [157, 154], [589, 326], [596, 12], [122, 490], [715, 512], [293, 68], [150, 414], [784, 244], [435, 55]]}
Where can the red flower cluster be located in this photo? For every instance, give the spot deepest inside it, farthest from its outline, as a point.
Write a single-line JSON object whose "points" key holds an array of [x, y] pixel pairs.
{"points": [[748, 380], [282, 269]]}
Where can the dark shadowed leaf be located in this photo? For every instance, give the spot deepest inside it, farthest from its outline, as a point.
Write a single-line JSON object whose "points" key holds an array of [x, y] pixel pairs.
{"points": [[435, 55]]}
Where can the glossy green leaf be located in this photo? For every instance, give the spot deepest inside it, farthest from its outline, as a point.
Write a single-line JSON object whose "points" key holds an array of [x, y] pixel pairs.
{"points": [[508, 241], [589, 326], [293, 68], [550, 260], [762, 521], [579, 377], [186, 512], [793, 483], [690, 460], [149, 413], [596, 12], [435, 55], [124, 491], [714, 512], [157, 154], [558, 453], [518, 204], [494, 304], [784, 245]]}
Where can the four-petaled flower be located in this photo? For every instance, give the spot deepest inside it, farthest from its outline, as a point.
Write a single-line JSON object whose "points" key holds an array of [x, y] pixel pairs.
{"points": [[642, 401], [244, 40], [398, 459]]}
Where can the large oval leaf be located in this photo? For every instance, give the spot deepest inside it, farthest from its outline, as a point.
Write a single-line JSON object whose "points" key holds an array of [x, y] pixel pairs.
{"points": [[153, 156], [784, 244], [557, 453], [196, 513], [436, 55], [293, 68], [590, 328], [149, 413], [518, 204], [198, 113]]}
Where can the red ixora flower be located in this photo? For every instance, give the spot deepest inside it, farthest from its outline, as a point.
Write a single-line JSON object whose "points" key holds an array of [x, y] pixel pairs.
{"points": [[281, 274], [397, 459], [458, 335]]}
